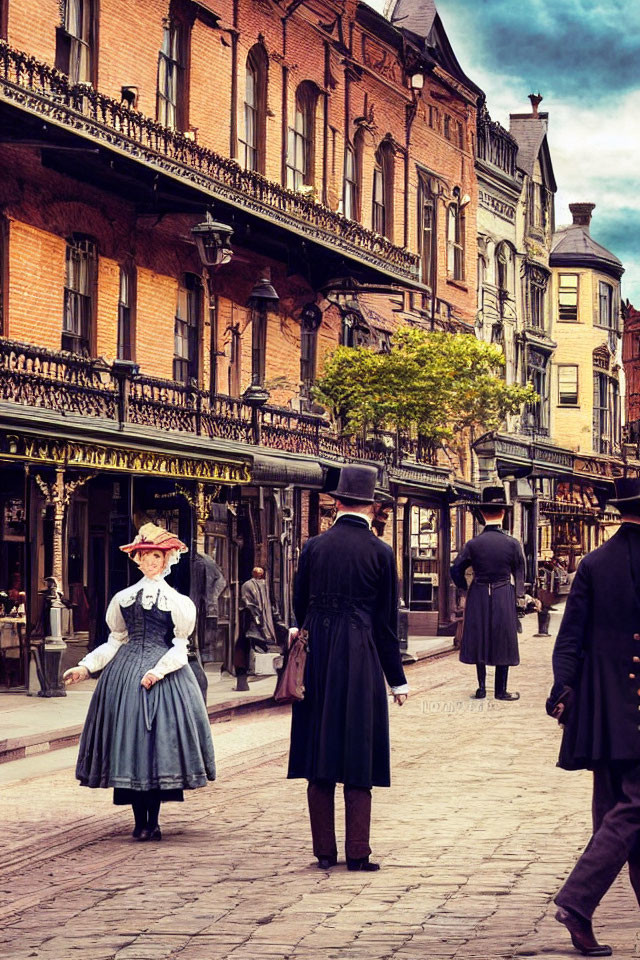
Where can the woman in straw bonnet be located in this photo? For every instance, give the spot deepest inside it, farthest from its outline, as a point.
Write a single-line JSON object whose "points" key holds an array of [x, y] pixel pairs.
{"points": [[147, 732]]}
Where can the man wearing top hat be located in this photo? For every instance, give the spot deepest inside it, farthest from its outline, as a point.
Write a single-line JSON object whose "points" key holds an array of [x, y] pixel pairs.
{"points": [[490, 631], [596, 696], [345, 596]]}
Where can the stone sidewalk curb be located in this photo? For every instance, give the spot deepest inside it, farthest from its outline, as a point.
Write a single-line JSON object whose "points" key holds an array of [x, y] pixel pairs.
{"points": [[17, 748]]}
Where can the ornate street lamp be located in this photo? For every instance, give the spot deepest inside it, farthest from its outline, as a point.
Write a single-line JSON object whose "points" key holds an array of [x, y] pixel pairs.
{"points": [[263, 296], [262, 299], [213, 241]]}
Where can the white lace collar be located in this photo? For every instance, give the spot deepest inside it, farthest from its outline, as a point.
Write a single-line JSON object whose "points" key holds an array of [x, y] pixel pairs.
{"points": [[154, 591]]}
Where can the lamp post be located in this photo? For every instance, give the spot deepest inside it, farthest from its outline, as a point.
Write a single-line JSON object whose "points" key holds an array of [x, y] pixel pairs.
{"points": [[213, 239], [262, 299]]}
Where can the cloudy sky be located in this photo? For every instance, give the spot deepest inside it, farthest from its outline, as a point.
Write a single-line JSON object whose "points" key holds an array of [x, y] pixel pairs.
{"points": [[584, 57]]}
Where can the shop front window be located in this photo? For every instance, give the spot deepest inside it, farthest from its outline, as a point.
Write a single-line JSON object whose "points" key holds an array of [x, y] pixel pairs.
{"points": [[423, 541], [13, 597]]}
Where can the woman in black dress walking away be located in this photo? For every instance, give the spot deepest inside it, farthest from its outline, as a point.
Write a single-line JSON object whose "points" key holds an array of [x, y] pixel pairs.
{"points": [[147, 732]]}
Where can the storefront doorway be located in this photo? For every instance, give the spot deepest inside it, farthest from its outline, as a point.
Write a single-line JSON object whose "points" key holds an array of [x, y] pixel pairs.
{"points": [[13, 579]]}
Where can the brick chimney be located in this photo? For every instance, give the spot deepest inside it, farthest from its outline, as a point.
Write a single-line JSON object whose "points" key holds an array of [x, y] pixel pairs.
{"points": [[536, 99], [581, 213]]}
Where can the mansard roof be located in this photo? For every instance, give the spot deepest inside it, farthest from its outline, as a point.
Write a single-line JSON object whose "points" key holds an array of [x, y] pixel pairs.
{"points": [[574, 246], [420, 20]]}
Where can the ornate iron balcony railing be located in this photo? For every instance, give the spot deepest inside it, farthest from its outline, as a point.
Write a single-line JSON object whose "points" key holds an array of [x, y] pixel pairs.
{"points": [[42, 90], [71, 385]]}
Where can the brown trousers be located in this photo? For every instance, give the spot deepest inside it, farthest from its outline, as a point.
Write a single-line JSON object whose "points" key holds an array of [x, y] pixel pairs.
{"points": [[357, 805]]}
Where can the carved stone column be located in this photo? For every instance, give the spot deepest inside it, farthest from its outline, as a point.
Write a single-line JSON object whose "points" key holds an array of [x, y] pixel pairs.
{"points": [[57, 494]]}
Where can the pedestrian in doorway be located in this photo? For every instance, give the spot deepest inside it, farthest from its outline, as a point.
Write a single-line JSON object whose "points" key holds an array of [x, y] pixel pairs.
{"points": [[490, 630], [345, 596], [596, 696], [147, 732], [257, 629]]}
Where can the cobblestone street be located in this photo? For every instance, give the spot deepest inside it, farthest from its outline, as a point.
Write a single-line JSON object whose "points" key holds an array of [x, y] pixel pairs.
{"points": [[474, 838]]}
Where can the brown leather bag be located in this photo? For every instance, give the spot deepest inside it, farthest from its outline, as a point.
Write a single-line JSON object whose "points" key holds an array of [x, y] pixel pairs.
{"points": [[290, 685]]}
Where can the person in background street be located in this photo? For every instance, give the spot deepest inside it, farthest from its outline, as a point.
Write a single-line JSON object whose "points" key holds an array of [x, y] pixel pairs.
{"points": [[596, 695], [257, 630], [147, 732], [345, 596], [490, 630]]}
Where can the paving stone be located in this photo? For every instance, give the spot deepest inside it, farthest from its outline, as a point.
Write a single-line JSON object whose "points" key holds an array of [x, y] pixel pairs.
{"points": [[475, 836]]}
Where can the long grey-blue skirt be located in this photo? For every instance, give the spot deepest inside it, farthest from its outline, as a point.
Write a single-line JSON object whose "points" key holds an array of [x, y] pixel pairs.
{"points": [[146, 740]]}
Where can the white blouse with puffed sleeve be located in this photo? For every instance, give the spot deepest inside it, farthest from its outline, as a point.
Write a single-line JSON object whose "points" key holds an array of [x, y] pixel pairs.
{"points": [[154, 590]]}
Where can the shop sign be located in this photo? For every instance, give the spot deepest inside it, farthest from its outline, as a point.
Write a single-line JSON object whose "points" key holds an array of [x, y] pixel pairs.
{"points": [[70, 453], [557, 457], [505, 210], [592, 466]]}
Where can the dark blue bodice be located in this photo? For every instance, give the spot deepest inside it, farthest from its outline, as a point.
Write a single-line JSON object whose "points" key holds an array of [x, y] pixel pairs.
{"points": [[152, 626]]}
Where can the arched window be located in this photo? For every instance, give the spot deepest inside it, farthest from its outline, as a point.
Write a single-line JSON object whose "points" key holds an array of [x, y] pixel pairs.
{"points": [[301, 139], [81, 262], [455, 241], [482, 277], [382, 212], [504, 269], [253, 146]]}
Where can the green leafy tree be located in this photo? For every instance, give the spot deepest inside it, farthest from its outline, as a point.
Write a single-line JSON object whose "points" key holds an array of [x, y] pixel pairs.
{"points": [[431, 386]]}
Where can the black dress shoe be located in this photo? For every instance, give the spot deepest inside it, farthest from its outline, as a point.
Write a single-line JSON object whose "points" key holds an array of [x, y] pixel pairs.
{"points": [[480, 694], [507, 696], [137, 833], [582, 934], [362, 863], [325, 863], [154, 834]]}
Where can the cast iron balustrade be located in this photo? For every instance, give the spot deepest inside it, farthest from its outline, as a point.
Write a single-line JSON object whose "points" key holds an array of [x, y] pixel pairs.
{"points": [[63, 382], [45, 91], [71, 385]]}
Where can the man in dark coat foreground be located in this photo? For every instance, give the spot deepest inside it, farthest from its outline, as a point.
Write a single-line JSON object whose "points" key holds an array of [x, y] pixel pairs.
{"points": [[490, 631], [596, 694], [345, 595]]}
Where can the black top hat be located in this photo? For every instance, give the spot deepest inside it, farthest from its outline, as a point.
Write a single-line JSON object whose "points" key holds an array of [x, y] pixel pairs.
{"points": [[493, 497], [627, 491], [357, 482]]}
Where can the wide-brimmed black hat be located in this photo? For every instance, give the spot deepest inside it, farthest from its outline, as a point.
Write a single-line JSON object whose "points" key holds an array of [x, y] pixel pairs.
{"points": [[357, 482], [493, 497], [627, 491]]}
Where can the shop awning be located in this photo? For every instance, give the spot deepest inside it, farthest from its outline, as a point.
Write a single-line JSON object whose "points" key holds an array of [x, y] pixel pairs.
{"points": [[269, 468]]}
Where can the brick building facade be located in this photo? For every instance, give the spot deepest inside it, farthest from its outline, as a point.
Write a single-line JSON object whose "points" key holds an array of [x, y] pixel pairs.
{"points": [[137, 381]]}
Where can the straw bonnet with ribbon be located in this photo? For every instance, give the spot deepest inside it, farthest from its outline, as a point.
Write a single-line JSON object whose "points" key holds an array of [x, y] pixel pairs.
{"points": [[152, 537]]}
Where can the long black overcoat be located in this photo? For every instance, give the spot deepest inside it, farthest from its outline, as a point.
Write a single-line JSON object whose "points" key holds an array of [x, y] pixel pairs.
{"points": [[595, 654], [345, 595], [490, 633]]}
